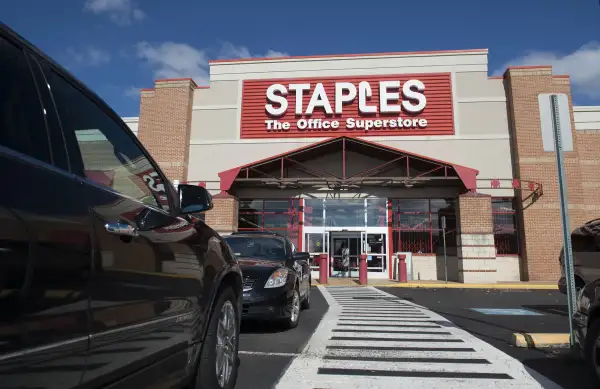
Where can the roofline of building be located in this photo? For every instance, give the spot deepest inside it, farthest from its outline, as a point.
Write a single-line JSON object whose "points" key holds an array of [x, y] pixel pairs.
{"points": [[586, 108], [331, 56]]}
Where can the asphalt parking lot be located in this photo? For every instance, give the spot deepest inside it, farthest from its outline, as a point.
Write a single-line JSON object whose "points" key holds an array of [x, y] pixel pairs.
{"points": [[561, 366], [266, 349]]}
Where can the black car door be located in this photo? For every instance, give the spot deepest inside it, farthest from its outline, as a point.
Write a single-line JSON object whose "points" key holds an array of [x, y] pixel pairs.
{"points": [[44, 242], [302, 269], [147, 268]]}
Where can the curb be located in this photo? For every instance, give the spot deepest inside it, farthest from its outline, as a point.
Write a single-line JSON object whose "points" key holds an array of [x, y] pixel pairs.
{"points": [[453, 286], [468, 286], [541, 340]]}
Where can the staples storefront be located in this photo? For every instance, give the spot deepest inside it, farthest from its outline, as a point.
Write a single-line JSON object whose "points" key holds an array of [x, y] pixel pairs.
{"points": [[419, 153]]}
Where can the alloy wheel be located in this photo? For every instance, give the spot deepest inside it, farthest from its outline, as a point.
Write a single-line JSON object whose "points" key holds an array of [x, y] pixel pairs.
{"points": [[226, 344], [295, 306]]}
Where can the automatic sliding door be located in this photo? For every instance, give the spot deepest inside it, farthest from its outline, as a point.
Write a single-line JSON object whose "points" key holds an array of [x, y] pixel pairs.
{"points": [[355, 251], [376, 250]]}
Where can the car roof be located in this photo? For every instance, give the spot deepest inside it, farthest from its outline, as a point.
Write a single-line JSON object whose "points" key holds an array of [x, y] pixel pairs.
{"points": [[256, 234]]}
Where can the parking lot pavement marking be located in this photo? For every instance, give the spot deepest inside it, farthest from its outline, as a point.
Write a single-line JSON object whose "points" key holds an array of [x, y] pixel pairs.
{"points": [[507, 312], [368, 340]]}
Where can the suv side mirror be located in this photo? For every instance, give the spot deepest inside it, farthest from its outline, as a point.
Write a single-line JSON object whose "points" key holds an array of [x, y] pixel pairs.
{"points": [[194, 199]]}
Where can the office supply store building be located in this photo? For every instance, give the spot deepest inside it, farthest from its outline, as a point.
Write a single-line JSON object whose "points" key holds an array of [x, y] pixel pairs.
{"points": [[418, 153]]}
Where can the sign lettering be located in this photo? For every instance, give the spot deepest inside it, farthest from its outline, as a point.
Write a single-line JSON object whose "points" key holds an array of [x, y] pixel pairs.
{"points": [[412, 101], [367, 105]]}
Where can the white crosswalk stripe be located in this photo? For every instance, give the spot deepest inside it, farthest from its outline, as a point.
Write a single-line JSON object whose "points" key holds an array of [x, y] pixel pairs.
{"points": [[372, 339]]}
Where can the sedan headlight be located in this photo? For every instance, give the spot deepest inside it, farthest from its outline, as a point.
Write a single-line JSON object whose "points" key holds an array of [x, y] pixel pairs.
{"points": [[277, 279]]}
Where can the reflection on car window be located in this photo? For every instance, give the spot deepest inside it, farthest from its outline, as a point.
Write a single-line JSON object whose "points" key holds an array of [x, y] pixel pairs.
{"points": [[265, 248], [22, 126], [110, 157]]}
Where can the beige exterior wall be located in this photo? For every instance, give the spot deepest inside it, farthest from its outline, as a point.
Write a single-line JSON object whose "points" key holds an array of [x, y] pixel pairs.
{"points": [[481, 139], [587, 118], [132, 123], [496, 121]]}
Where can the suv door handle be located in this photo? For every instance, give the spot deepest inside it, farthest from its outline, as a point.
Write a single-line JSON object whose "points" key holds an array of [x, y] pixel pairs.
{"points": [[121, 229]]}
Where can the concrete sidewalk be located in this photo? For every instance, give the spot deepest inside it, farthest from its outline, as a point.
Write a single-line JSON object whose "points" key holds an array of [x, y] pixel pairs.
{"points": [[381, 283]]}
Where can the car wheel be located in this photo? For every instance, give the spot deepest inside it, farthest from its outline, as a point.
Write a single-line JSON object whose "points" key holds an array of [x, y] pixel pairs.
{"points": [[306, 301], [592, 347], [292, 320], [218, 365]]}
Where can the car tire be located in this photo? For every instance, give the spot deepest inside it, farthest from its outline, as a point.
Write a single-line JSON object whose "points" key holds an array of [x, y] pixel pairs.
{"points": [[306, 301], [292, 321], [224, 310], [591, 351]]}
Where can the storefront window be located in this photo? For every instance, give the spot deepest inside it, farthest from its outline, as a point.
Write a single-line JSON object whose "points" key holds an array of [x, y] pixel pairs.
{"points": [[376, 212], [345, 212], [417, 225], [313, 213], [279, 216], [506, 236]]}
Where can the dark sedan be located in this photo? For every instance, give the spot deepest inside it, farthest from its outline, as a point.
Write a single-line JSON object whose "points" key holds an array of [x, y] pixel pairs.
{"points": [[276, 277]]}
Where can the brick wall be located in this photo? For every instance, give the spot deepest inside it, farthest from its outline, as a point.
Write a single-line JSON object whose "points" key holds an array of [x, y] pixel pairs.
{"points": [[476, 250], [165, 123], [588, 148], [223, 218], [540, 221], [475, 214]]}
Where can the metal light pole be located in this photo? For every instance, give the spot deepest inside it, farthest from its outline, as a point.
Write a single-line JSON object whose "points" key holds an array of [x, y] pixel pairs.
{"points": [[564, 212]]}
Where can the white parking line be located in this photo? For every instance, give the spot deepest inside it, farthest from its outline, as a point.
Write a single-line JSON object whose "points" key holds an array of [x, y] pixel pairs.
{"points": [[372, 339]]}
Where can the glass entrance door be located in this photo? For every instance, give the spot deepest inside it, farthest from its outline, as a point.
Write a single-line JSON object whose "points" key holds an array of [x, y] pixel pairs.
{"points": [[345, 251], [376, 250]]}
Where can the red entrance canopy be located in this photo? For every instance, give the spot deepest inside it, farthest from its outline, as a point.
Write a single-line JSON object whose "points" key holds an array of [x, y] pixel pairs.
{"points": [[428, 168]]}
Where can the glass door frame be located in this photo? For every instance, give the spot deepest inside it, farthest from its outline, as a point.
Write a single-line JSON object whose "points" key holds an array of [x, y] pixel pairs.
{"points": [[306, 231], [347, 234], [383, 232], [363, 232]]}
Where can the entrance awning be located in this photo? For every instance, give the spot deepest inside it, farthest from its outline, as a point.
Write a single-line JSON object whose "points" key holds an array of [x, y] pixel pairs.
{"points": [[346, 163]]}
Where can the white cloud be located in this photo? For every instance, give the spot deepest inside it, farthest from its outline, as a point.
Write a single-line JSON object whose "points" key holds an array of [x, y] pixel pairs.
{"points": [[122, 12], [583, 65], [133, 92], [175, 60], [231, 51], [90, 56], [180, 60], [275, 54]]}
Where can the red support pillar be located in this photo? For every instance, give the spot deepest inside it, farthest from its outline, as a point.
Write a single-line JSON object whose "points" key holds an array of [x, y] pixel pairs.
{"points": [[362, 270], [323, 269]]}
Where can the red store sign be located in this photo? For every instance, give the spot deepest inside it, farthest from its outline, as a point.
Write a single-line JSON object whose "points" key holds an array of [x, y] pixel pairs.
{"points": [[354, 106]]}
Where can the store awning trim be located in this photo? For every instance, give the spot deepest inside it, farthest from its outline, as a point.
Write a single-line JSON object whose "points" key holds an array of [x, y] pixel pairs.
{"points": [[468, 176]]}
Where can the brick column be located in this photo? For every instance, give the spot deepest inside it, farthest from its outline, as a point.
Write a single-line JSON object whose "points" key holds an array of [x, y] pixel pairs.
{"points": [[223, 218], [165, 124], [476, 250], [540, 224]]}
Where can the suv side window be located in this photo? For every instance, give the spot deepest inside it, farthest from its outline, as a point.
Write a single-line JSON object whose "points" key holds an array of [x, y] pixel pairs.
{"points": [[22, 124], [110, 157]]}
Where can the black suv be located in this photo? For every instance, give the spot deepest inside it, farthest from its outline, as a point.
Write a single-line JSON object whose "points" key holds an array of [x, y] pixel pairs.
{"points": [[105, 279]]}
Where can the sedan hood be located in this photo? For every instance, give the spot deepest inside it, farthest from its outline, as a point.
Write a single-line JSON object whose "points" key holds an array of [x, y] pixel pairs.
{"points": [[255, 267]]}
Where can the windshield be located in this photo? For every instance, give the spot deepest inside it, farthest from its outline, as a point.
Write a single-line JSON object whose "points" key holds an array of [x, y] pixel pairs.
{"points": [[263, 248]]}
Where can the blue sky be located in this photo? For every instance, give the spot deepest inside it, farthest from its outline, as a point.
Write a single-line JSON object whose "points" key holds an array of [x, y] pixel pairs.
{"points": [[119, 46]]}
